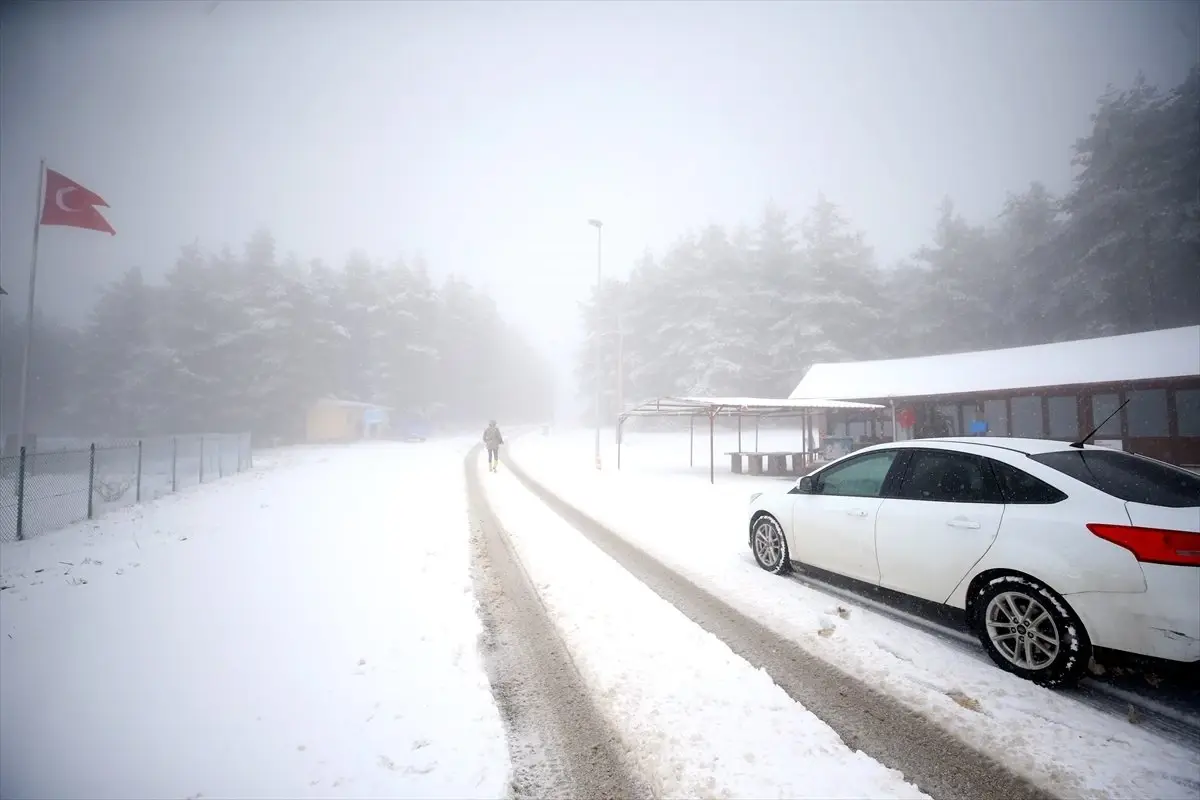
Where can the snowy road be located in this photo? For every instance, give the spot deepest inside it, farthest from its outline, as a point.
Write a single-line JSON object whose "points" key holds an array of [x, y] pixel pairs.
{"points": [[861, 718], [558, 743]]}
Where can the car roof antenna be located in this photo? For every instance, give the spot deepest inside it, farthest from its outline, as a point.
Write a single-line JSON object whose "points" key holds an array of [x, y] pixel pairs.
{"points": [[1094, 430]]}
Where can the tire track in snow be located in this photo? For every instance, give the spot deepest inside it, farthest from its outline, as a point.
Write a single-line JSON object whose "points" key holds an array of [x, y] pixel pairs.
{"points": [[868, 720], [558, 744], [1168, 721]]}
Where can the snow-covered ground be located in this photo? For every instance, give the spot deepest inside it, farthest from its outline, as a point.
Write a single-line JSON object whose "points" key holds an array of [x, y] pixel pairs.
{"points": [[307, 629], [671, 512], [696, 719]]}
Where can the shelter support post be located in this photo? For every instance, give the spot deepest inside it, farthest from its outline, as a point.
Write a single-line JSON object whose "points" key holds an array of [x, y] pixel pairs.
{"points": [[756, 433], [712, 427], [692, 440], [895, 432], [620, 422], [808, 436], [739, 433]]}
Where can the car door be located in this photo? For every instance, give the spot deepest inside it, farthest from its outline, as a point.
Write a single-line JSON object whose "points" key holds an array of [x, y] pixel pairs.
{"points": [[942, 515], [833, 526]]}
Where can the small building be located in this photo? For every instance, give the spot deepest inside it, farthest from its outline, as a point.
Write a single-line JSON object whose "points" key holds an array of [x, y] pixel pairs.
{"points": [[333, 420], [1058, 391]]}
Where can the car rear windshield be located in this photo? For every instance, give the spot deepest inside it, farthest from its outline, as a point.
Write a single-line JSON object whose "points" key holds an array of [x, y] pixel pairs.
{"points": [[1128, 477]]}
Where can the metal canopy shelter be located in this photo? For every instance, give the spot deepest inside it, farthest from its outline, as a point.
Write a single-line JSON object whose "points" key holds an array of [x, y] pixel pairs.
{"points": [[713, 407]]}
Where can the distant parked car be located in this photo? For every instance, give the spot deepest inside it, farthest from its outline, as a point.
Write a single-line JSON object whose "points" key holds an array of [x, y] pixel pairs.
{"points": [[1050, 549]]}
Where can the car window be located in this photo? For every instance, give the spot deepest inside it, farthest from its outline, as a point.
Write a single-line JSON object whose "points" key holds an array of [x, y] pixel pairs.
{"points": [[949, 477], [863, 476], [1127, 477], [1021, 488]]}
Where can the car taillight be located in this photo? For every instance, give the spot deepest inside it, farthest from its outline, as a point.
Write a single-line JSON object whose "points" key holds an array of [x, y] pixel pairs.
{"points": [[1153, 545]]}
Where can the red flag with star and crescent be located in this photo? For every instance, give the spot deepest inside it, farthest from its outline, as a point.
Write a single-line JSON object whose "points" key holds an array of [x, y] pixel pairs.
{"points": [[72, 205]]}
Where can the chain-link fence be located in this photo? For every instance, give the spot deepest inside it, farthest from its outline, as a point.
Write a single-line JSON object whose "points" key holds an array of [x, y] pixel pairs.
{"points": [[46, 490]]}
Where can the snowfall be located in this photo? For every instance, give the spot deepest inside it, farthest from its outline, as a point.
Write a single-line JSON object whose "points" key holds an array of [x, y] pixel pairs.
{"points": [[309, 629]]}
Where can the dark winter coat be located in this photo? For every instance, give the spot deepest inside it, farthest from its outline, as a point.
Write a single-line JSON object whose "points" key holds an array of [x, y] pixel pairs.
{"points": [[492, 437]]}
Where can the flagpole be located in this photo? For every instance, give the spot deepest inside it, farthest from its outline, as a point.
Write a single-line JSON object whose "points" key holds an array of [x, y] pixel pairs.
{"points": [[37, 229]]}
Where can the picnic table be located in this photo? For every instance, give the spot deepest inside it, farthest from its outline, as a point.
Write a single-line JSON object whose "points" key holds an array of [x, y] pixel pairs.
{"points": [[776, 462]]}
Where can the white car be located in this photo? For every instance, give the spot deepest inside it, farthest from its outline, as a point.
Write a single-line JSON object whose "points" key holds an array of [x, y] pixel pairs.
{"points": [[1049, 548]]}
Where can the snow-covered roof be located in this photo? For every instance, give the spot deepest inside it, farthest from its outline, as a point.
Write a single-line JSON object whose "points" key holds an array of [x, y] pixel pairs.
{"points": [[748, 406], [333, 401], [1170, 353]]}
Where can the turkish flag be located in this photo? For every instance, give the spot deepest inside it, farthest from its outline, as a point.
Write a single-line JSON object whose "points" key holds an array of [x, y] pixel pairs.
{"points": [[67, 203]]}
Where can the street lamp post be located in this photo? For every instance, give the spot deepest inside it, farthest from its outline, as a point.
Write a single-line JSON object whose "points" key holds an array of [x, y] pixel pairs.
{"points": [[599, 226]]}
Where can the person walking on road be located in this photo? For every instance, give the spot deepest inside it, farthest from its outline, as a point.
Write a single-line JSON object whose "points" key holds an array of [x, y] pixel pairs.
{"points": [[492, 439]]}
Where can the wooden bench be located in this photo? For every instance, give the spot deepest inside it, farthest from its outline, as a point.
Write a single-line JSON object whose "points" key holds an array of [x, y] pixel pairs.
{"points": [[778, 462]]}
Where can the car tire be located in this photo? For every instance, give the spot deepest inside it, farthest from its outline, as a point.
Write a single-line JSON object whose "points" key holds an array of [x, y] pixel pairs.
{"points": [[1028, 630], [769, 545]]}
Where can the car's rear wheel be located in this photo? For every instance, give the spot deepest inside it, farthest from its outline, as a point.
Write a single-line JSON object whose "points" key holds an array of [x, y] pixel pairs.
{"points": [[770, 545], [1030, 631]]}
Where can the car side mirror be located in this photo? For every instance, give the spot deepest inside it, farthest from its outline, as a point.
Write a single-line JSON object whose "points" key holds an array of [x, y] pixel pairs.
{"points": [[806, 485]]}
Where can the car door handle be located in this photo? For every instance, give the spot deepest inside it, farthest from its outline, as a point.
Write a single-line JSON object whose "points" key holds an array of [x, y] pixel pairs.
{"points": [[963, 523], [857, 512]]}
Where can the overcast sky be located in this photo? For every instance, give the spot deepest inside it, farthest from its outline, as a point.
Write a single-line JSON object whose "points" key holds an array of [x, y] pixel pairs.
{"points": [[484, 135]]}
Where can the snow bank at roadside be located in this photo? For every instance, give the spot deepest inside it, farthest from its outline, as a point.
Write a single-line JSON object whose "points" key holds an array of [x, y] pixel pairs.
{"points": [[308, 631]]}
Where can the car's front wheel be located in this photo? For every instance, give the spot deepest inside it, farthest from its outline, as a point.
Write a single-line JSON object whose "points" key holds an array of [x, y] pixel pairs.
{"points": [[1030, 631], [769, 545]]}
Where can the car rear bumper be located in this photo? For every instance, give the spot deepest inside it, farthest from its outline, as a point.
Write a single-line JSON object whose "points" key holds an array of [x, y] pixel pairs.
{"points": [[1161, 622]]}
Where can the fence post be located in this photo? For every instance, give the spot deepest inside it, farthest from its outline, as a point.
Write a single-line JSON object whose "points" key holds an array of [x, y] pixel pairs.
{"points": [[21, 495], [137, 498], [91, 477], [221, 456], [174, 461], [249, 450], [202, 459]]}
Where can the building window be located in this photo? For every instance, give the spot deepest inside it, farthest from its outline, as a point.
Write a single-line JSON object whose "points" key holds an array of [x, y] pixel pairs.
{"points": [[1064, 417], [1104, 405], [1187, 411], [1027, 417], [996, 414], [950, 415], [974, 422], [1147, 412]]}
